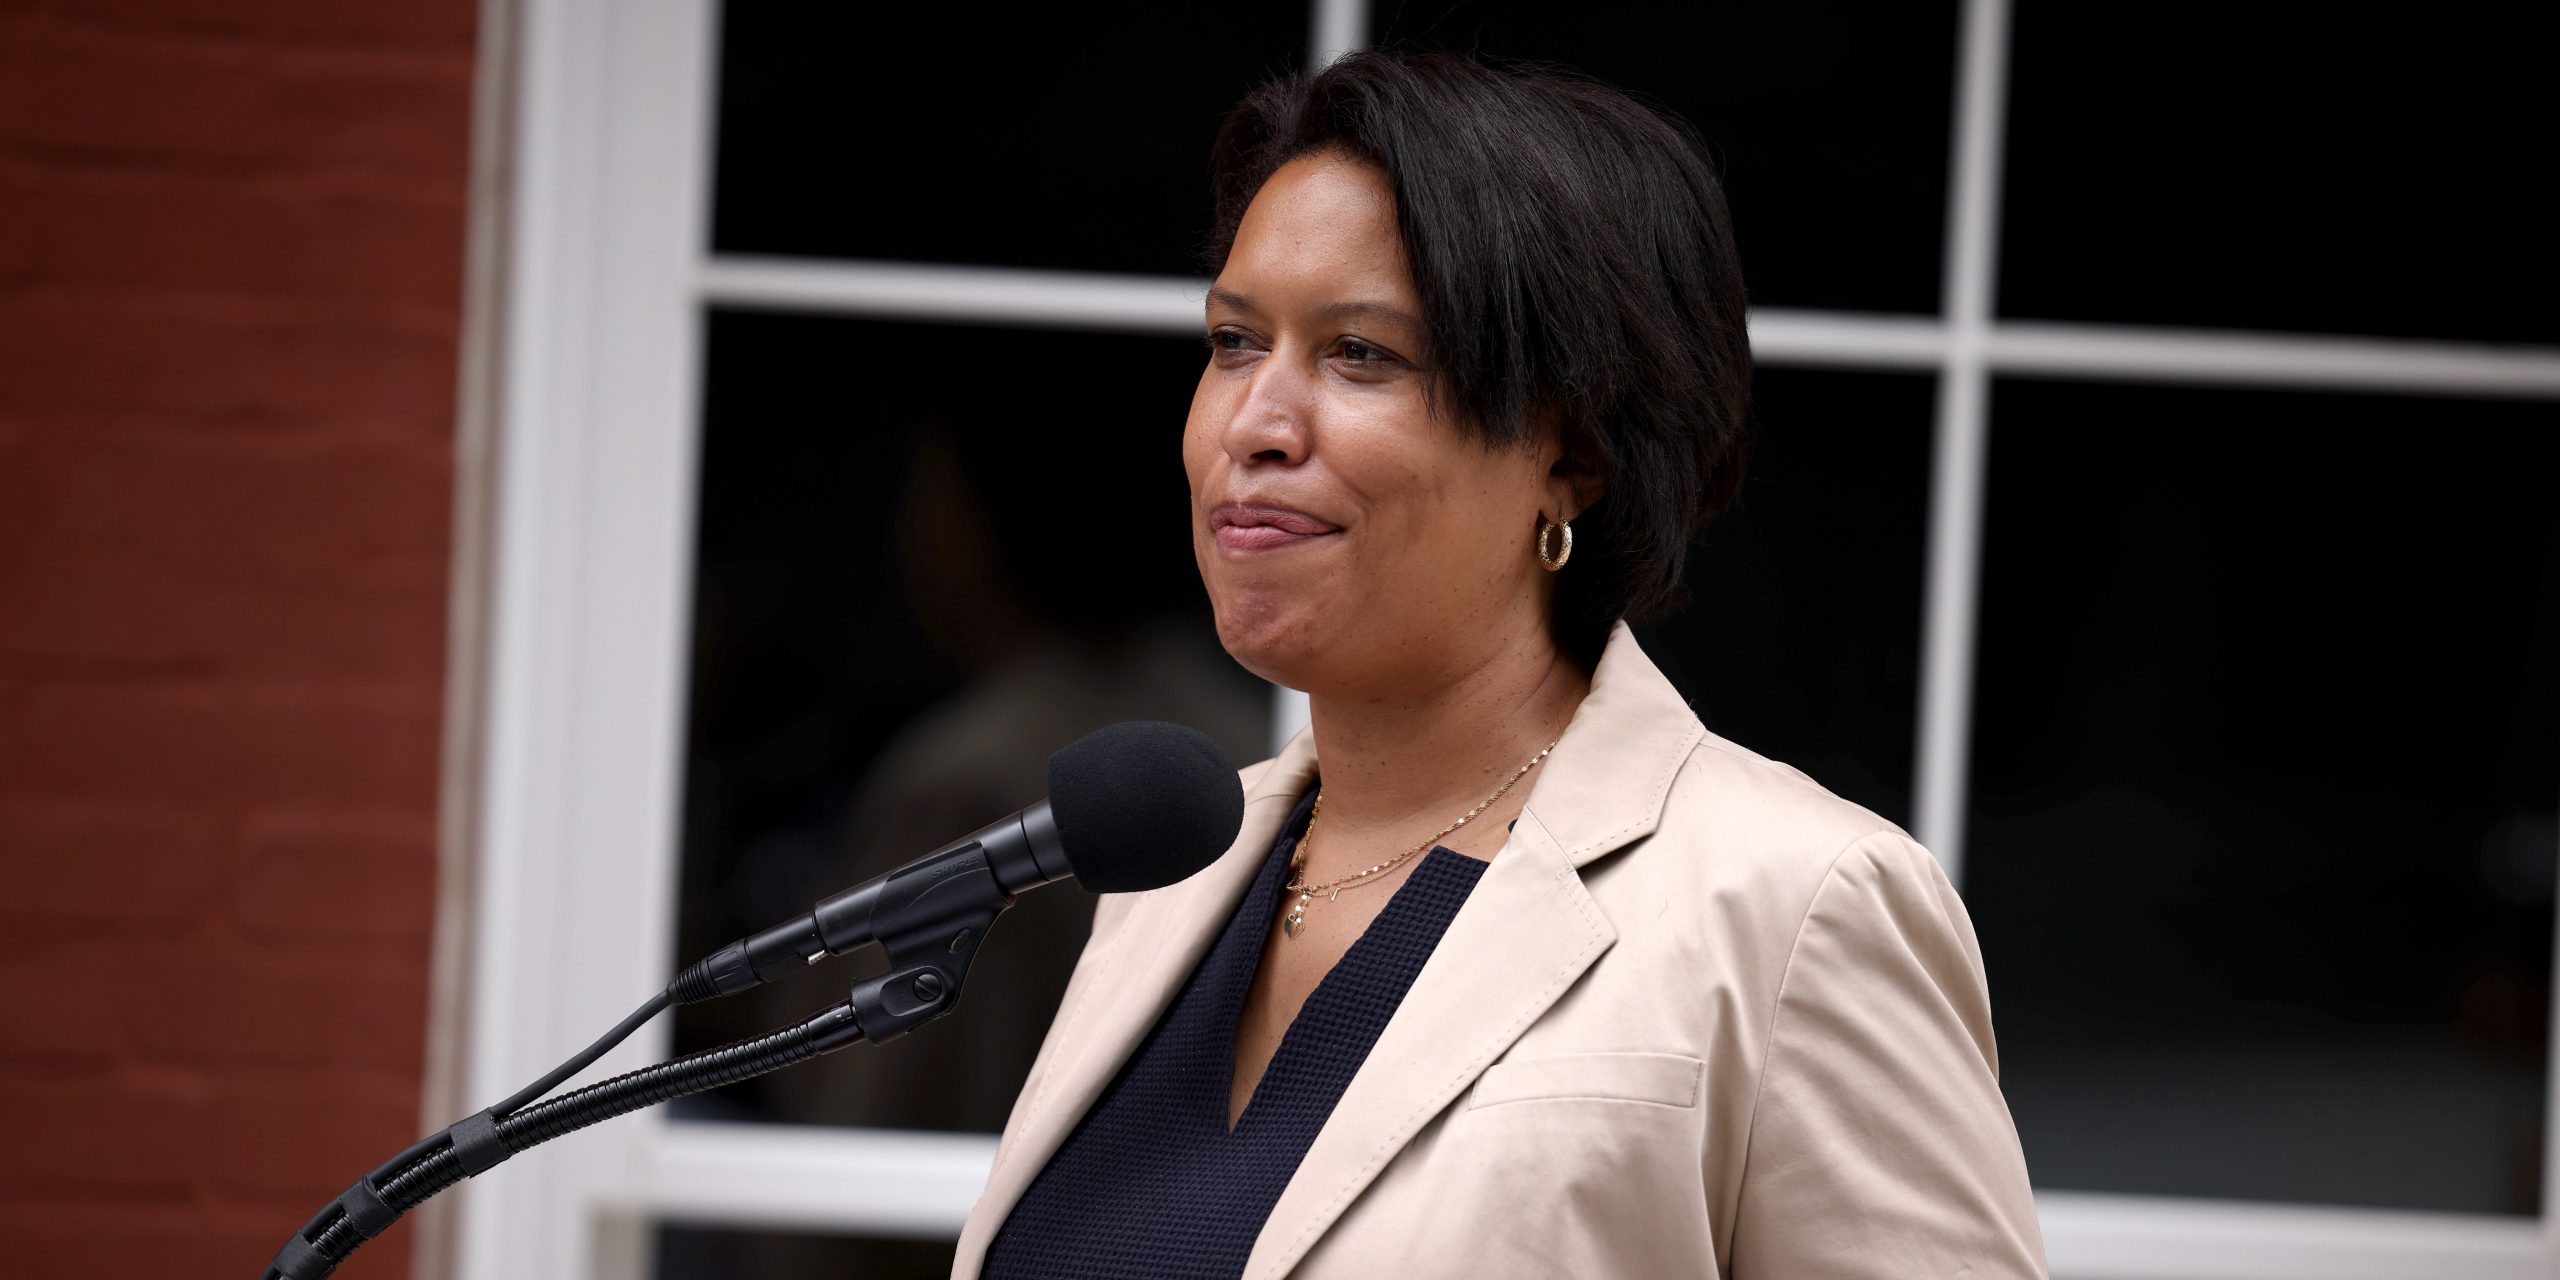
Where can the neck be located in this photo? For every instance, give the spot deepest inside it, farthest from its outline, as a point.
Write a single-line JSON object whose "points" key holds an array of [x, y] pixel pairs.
{"points": [[1433, 749]]}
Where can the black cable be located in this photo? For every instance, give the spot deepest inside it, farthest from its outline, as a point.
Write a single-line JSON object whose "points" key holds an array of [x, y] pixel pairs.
{"points": [[883, 1007], [418, 1178], [429, 1165], [622, 1031]]}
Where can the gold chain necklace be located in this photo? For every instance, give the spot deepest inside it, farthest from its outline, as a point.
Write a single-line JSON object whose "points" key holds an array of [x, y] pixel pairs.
{"points": [[1333, 889]]}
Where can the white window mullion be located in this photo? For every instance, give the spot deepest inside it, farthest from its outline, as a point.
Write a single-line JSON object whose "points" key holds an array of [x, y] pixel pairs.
{"points": [[1962, 445], [1340, 26], [956, 294], [2053, 348]]}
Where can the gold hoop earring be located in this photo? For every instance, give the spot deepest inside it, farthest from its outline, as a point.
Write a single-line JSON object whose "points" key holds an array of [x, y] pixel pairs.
{"points": [[1554, 560]]}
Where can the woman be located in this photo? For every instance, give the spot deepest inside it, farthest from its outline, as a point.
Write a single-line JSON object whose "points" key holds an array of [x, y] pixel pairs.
{"points": [[1516, 969]]}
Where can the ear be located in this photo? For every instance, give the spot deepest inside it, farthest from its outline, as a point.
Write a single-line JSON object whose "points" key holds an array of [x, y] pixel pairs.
{"points": [[1573, 479]]}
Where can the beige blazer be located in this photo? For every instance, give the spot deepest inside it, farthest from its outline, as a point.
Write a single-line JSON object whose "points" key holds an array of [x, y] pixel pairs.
{"points": [[1700, 1017]]}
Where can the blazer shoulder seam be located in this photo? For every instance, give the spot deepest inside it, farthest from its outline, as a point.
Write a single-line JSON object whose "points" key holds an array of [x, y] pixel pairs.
{"points": [[1786, 775]]}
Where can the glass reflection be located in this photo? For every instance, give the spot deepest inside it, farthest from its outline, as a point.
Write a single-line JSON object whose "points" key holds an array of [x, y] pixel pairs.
{"points": [[2267, 756], [916, 581]]}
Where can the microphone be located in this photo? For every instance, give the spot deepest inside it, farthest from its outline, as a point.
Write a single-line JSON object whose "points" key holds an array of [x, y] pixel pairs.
{"points": [[1136, 805]]}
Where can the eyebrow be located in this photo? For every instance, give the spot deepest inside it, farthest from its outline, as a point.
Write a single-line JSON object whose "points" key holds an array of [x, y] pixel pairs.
{"points": [[1354, 310]]}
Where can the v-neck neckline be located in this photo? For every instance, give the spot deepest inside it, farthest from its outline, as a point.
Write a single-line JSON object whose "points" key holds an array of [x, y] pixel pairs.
{"points": [[1282, 851]]}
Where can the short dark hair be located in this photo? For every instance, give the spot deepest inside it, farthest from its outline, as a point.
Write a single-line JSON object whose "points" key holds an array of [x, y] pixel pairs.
{"points": [[1575, 262]]}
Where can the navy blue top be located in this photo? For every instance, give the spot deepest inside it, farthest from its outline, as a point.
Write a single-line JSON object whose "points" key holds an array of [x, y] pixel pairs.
{"points": [[1152, 1182]]}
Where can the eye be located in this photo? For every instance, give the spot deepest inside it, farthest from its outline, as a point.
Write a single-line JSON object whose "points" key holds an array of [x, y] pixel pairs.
{"points": [[1225, 341], [1358, 352]]}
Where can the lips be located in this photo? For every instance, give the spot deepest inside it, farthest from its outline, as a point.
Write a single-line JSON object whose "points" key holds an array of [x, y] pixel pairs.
{"points": [[1261, 527]]}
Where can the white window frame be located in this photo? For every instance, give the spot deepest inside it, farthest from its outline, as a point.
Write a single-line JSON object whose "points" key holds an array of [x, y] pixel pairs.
{"points": [[574, 574]]}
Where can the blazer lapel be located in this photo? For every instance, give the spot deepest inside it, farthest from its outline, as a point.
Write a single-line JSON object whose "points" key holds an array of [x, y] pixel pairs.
{"points": [[1153, 953], [1527, 931]]}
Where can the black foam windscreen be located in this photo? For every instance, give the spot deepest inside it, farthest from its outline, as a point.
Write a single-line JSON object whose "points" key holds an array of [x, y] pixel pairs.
{"points": [[1143, 803]]}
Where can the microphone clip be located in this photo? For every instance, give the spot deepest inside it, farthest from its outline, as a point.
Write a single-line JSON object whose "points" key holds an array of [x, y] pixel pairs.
{"points": [[929, 917]]}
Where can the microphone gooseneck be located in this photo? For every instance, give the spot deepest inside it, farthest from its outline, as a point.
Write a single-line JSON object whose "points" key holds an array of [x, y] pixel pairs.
{"points": [[1134, 806]]}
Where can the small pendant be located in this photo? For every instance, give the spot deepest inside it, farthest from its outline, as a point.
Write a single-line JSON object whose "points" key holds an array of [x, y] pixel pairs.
{"points": [[1297, 917]]}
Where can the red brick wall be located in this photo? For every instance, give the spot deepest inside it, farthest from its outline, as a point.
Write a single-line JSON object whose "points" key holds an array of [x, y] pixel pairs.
{"points": [[231, 241]]}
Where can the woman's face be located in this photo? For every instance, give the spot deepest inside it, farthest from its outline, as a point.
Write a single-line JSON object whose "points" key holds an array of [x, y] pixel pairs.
{"points": [[1351, 542]]}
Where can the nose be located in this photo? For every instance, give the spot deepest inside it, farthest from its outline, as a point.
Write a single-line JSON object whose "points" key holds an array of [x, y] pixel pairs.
{"points": [[1274, 423]]}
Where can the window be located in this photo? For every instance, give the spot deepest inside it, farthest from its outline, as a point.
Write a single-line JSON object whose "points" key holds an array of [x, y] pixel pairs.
{"points": [[2132, 453], [2263, 788]]}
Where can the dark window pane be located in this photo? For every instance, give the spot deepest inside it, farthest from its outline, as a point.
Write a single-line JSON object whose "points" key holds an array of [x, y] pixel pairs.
{"points": [[1801, 638], [1828, 121], [703, 1253], [2269, 167], [928, 557], [1068, 136], [2267, 751]]}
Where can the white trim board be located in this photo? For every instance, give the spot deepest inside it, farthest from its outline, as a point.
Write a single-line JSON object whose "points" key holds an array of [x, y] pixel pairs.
{"points": [[588, 582]]}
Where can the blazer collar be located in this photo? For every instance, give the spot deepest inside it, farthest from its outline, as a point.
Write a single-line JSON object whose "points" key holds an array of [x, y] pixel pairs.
{"points": [[1527, 931], [1602, 789], [1611, 772]]}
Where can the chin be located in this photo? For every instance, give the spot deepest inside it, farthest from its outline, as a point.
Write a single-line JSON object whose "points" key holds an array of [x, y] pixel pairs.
{"points": [[1274, 635]]}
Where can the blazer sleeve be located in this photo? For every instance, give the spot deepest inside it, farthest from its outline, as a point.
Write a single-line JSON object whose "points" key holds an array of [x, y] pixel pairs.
{"points": [[1879, 1144]]}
